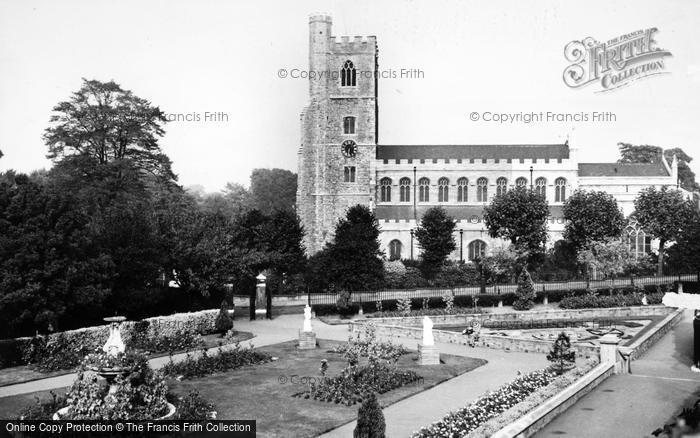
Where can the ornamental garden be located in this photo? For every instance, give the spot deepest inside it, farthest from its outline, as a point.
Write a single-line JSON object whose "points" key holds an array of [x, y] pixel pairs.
{"points": [[126, 296]]}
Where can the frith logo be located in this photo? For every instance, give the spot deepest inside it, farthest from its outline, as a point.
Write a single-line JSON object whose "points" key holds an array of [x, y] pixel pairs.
{"points": [[615, 63]]}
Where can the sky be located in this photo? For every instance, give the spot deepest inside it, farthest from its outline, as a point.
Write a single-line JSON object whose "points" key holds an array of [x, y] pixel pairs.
{"points": [[224, 58]]}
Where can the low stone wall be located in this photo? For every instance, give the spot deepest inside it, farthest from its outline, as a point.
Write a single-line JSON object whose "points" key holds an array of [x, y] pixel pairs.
{"points": [[530, 423], [277, 300], [532, 315], [641, 345]]}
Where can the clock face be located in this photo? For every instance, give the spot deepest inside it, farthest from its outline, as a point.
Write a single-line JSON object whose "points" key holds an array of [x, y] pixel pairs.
{"points": [[349, 148]]}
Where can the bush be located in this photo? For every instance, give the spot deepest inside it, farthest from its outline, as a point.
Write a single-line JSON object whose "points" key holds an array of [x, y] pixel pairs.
{"points": [[344, 303], [394, 274], [591, 301], [193, 407], [456, 274], [370, 419], [561, 355], [224, 322], [525, 292], [413, 278], [404, 305], [205, 364], [43, 410]]}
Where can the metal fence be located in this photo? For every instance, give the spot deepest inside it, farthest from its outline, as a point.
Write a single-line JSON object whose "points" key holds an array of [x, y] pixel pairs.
{"points": [[360, 297]]}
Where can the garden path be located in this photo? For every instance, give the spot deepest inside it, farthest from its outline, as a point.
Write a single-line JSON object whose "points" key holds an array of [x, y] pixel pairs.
{"points": [[633, 405]]}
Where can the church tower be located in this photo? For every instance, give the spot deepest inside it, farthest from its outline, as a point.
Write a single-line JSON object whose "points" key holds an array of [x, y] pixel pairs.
{"points": [[339, 131]]}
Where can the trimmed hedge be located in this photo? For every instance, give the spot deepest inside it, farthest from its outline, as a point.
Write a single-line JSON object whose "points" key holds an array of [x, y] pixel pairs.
{"points": [[65, 350]]}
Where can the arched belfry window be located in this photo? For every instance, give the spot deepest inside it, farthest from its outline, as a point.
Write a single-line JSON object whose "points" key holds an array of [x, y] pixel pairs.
{"points": [[482, 191], [501, 186], [560, 190], [349, 125], [443, 187], [385, 190], [477, 249], [462, 190], [405, 189], [348, 75], [541, 187], [424, 190], [395, 250], [521, 182]]}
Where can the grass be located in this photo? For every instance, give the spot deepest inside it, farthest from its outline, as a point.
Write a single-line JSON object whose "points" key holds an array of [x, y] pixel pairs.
{"points": [[264, 392]]}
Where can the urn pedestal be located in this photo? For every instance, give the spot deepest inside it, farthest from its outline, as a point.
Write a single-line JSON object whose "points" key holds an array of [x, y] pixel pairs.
{"points": [[307, 340], [428, 355]]}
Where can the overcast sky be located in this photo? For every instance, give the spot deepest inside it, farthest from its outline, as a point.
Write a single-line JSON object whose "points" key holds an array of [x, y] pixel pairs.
{"points": [[221, 56]]}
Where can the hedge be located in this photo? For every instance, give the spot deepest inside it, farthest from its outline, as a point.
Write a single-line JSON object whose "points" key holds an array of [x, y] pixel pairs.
{"points": [[64, 350]]}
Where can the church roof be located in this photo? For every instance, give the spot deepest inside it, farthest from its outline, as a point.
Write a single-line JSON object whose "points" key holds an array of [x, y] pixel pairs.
{"points": [[622, 169], [457, 212], [514, 151]]}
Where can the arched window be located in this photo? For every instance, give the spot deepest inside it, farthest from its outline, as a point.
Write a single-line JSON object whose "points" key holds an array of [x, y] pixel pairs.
{"points": [[482, 191], [348, 75], [349, 125], [424, 190], [501, 186], [560, 190], [521, 182], [405, 189], [477, 249], [385, 190], [443, 187], [395, 250], [541, 187], [636, 239], [462, 190]]}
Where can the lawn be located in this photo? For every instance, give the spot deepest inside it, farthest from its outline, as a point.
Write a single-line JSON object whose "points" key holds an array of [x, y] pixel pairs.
{"points": [[265, 392]]}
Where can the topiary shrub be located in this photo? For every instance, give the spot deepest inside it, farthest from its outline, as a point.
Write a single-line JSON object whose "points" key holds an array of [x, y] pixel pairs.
{"points": [[224, 322], [370, 419], [525, 292], [561, 355]]}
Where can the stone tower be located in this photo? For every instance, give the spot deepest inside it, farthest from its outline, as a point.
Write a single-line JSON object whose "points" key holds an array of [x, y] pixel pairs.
{"points": [[338, 131]]}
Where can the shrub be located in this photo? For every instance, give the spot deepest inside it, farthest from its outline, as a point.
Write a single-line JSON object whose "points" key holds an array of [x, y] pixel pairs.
{"points": [[525, 292], [43, 410], [561, 355], [449, 301], [591, 301], [370, 419], [404, 305], [344, 303], [194, 407], [413, 278], [457, 274], [224, 322], [205, 364], [394, 274]]}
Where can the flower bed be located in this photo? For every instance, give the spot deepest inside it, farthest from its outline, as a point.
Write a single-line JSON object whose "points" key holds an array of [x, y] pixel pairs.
{"points": [[459, 423], [355, 383], [225, 360]]}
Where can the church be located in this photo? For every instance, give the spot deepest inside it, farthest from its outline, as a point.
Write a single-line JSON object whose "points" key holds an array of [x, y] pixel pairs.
{"points": [[341, 164]]}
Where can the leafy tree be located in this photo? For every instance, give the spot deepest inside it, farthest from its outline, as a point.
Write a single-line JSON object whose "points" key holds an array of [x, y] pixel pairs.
{"points": [[592, 216], [653, 154], [685, 254], [106, 125], [610, 258], [664, 214], [238, 196], [685, 174], [562, 355], [352, 261], [370, 419], [273, 189], [519, 215], [525, 292], [435, 237]]}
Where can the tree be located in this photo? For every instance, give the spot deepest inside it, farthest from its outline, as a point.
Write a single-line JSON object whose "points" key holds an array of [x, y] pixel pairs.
{"points": [[609, 258], [223, 322], [370, 419], [273, 189], [653, 154], [238, 196], [663, 214], [352, 259], [525, 292], [435, 237], [592, 216], [520, 215], [561, 355], [106, 126], [685, 254]]}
